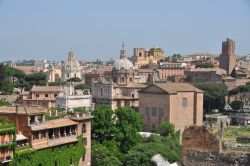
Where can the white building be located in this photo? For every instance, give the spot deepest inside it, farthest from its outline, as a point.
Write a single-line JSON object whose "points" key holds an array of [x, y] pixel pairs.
{"points": [[71, 68], [71, 98]]}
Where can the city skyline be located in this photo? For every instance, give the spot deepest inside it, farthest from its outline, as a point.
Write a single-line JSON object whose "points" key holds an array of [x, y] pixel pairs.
{"points": [[33, 30]]}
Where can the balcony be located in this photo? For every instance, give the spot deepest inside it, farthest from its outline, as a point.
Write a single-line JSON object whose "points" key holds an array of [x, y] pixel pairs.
{"points": [[62, 139]]}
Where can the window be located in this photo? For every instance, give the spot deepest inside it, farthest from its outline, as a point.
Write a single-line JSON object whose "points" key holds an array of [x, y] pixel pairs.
{"points": [[83, 128], [147, 111], [140, 53], [32, 120], [37, 95], [184, 102], [130, 79], [55, 95], [101, 92], [133, 96], [122, 79], [161, 113], [46, 95], [43, 134], [154, 111], [35, 135], [85, 141]]}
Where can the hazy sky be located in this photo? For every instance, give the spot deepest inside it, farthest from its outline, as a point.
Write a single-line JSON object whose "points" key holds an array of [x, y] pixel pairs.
{"points": [[32, 29]]}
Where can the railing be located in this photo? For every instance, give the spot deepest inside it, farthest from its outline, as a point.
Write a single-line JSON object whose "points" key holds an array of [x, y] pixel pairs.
{"points": [[62, 139]]}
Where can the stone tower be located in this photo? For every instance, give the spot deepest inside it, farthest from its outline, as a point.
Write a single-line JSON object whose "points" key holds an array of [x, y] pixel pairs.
{"points": [[228, 57]]}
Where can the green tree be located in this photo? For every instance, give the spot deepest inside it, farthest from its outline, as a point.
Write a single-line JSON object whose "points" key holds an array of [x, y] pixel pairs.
{"points": [[36, 79], [142, 153], [240, 93], [104, 156], [204, 65], [214, 95], [236, 105], [175, 58], [103, 128], [6, 80], [74, 79], [128, 124], [82, 87], [167, 129]]}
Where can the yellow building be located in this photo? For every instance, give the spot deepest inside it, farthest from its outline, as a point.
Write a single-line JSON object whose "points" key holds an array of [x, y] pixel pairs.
{"points": [[142, 56]]}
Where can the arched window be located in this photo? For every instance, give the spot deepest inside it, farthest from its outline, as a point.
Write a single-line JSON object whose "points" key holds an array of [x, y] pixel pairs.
{"points": [[140, 54], [130, 79], [114, 79]]}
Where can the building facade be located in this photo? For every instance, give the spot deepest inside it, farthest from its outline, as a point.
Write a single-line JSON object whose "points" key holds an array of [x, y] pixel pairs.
{"points": [[40, 133], [227, 57], [142, 56], [41, 95], [179, 103]]}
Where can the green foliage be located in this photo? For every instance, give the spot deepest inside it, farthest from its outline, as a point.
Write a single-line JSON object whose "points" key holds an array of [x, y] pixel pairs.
{"points": [[168, 147], [175, 58], [82, 86], [167, 129], [62, 155], [128, 124], [214, 95], [103, 127], [236, 105], [56, 83], [240, 93], [105, 156], [4, 102], [74, 79], [204, 65], [36, 79], [80, 110]]}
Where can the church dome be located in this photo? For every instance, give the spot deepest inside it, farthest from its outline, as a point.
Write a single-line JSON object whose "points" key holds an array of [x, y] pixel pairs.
{"points": [[71, 63], [123, 63]]}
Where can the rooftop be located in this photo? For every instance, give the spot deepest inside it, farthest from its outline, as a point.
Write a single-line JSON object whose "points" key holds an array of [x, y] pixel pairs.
{"points": [[54, 124], [175, 87], [46, 88], [30, 110]]}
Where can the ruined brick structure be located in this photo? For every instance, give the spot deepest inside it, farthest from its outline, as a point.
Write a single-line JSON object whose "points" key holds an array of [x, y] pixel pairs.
{"points": [[203, 147]]}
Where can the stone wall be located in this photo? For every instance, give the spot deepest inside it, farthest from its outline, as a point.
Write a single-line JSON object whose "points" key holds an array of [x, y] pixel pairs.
{"points": [[202, 146], [10, 98], [205, 158]]}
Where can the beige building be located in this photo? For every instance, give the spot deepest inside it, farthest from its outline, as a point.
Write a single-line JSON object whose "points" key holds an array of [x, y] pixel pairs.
{"points": [[142, 56], [179, 103], [41, 95], [228, 57], [205, 75]]}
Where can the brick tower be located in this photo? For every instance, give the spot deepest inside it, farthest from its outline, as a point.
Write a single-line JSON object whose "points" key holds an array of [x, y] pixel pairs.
{"points": [[227, 57]]}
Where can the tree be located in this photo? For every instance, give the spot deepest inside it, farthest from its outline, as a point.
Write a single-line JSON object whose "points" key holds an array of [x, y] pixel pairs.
{"points": [[175, 58], [167, 129], [142, 153], [103, 128], [240, 93], [204, 65], [104, 156], [236, 105], [74, 79], [82, 86], [6, 83], [36, 79], [128, 124], [214, 95]]}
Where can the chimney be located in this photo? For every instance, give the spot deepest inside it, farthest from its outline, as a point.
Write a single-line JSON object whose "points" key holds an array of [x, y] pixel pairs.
{"points": [[16, 109]]}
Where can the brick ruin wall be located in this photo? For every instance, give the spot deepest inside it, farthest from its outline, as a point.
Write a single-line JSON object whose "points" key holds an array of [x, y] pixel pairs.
{"points": [[201, 147]]}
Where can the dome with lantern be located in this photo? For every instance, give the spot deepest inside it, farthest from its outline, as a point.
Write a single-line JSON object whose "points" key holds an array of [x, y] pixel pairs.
{"points": [[123, 63]]}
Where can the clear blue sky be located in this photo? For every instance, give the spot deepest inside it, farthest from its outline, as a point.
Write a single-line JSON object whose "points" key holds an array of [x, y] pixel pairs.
{"points": [[32, 29]]}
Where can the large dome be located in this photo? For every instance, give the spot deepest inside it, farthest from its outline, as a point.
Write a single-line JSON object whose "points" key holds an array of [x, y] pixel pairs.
{"points": [[71, 64], [123, 63]]}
